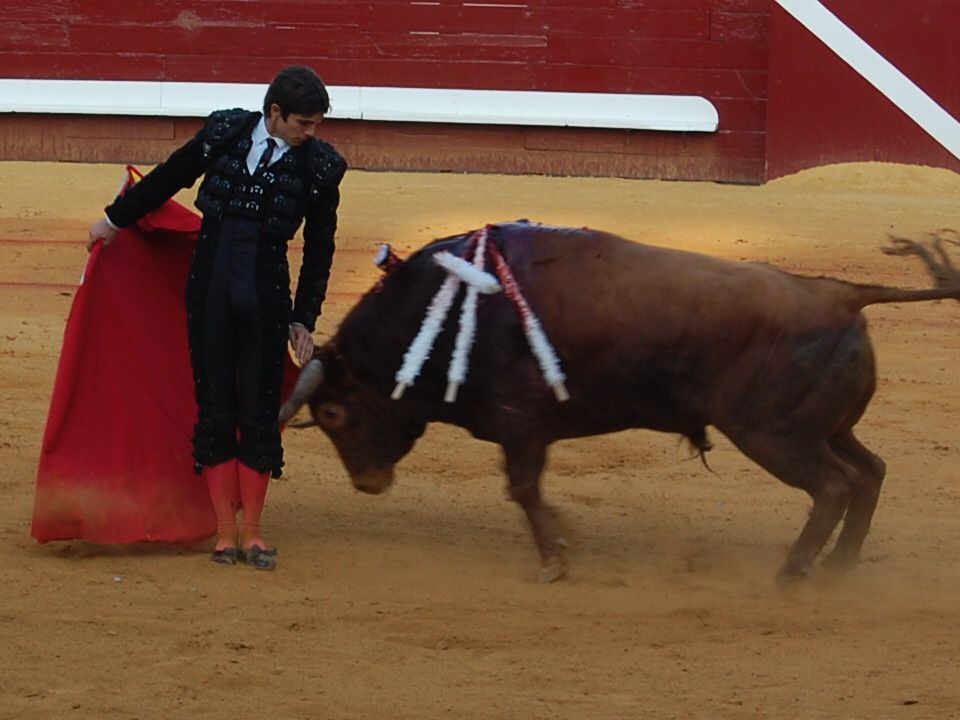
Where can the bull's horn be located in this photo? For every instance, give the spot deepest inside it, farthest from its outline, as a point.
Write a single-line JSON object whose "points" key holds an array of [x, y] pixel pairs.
{"points": [[304, 423], [310, 378]]}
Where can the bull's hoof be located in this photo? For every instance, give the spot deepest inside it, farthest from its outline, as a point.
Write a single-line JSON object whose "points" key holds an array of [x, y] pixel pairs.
{"points": [[552, 571], [840, 561], [789, 576]]}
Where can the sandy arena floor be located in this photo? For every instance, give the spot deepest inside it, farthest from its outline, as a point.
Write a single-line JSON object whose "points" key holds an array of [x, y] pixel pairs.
{"points": [[423, 603]]}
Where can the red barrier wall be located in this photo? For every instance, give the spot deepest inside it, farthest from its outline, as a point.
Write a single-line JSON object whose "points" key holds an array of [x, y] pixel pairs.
{"points": [[819, 109], [713, 48], [822, 111]]}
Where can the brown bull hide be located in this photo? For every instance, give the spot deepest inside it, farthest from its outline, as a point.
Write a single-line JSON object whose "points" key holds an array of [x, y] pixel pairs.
{"points": [[648, 338]]}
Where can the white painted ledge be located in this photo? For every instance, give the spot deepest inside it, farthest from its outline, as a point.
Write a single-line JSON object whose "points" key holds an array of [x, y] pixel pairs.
{"points": [[684, 113]]}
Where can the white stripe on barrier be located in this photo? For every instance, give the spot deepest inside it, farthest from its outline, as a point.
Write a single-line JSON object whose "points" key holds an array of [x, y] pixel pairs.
{"points": [[878, 71], [688, 113]]}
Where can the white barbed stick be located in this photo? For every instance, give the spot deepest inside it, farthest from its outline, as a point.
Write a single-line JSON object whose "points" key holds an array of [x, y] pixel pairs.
{"points": [[457, 372], [472, 274], [419, 349]]}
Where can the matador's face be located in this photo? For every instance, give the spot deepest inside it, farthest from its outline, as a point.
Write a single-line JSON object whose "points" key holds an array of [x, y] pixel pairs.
{"points": [[296, 129]]}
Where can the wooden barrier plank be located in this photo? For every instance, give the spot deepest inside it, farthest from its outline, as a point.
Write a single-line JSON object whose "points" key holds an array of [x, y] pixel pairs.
{"points": [[68, 65], [51, 11], [158, 13], [26, 37], [731, 157]]}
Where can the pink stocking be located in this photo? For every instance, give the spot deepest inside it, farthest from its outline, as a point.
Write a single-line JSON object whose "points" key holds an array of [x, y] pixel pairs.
{"points": [[225, 494], [253, 492]]}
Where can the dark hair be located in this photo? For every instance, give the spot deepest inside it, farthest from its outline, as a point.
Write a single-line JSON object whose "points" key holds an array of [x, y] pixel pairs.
{"points": [[297, 89]]}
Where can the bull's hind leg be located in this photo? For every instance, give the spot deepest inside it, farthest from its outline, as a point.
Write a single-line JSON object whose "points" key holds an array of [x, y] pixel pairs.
{"points": [[811, 466], [865, 494], [524, 465]]}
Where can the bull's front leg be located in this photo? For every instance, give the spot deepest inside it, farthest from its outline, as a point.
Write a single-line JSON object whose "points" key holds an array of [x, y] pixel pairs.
{"points": [[524, 465]]}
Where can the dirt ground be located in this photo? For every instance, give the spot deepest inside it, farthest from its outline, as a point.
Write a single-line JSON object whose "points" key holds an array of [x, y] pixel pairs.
{"points": [[422, 603]]}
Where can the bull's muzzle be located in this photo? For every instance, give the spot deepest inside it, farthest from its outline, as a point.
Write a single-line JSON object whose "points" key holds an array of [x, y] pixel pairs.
{"points": [[373, 482]]}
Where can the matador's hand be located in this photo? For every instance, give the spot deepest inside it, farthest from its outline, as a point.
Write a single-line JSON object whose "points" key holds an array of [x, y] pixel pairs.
{"points": [[101, 230], [302, 343]]}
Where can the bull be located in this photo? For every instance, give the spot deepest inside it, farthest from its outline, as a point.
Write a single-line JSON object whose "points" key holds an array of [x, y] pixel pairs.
{"points": [[648, 337]]}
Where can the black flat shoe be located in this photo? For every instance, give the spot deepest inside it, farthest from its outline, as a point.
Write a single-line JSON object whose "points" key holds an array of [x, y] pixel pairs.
{"points": [[260, 558], [227, 556]]}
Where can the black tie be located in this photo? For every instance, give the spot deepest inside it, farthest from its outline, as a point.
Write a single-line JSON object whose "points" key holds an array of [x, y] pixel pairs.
{"points": [[265, 158]]}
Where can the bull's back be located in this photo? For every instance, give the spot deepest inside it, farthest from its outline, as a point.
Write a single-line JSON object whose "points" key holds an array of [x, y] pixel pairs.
{"points": [[671, 339], [590, 287]]}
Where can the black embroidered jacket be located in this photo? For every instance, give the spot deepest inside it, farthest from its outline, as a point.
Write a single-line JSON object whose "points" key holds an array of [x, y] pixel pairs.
{"points": [[302, 185]]}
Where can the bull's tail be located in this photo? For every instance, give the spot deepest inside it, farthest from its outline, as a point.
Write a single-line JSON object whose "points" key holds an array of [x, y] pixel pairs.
{"points": [[946, 276], [877, 294]]}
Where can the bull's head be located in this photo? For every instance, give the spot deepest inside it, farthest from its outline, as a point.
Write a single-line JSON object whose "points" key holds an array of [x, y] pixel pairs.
{"points": [[370, 431]]}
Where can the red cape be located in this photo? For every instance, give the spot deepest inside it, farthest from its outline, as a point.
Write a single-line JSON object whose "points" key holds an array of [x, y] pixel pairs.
{"points": [[116, 463]]}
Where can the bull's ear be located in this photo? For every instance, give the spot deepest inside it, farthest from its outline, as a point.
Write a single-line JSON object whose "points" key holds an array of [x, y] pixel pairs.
{"points": [[331, 416]]}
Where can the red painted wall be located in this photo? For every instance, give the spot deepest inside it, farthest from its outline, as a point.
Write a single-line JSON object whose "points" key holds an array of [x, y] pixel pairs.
{"points": [[822, 111], [809, 109], [714, 48]]}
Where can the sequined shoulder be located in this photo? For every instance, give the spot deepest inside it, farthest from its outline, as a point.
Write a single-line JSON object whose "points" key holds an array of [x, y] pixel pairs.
{"points": [[224, 126], [327, 166]]}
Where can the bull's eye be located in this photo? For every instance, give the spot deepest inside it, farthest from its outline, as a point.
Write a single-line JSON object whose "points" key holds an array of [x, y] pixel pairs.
{"points": [[331, 416]]}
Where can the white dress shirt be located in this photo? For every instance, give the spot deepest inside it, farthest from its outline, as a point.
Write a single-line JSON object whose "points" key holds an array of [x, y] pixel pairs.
{"points": [[259, 137]]}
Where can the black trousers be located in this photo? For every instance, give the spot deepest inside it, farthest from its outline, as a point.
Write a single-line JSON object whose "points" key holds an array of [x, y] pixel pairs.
{"points": [[233, 420]]}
